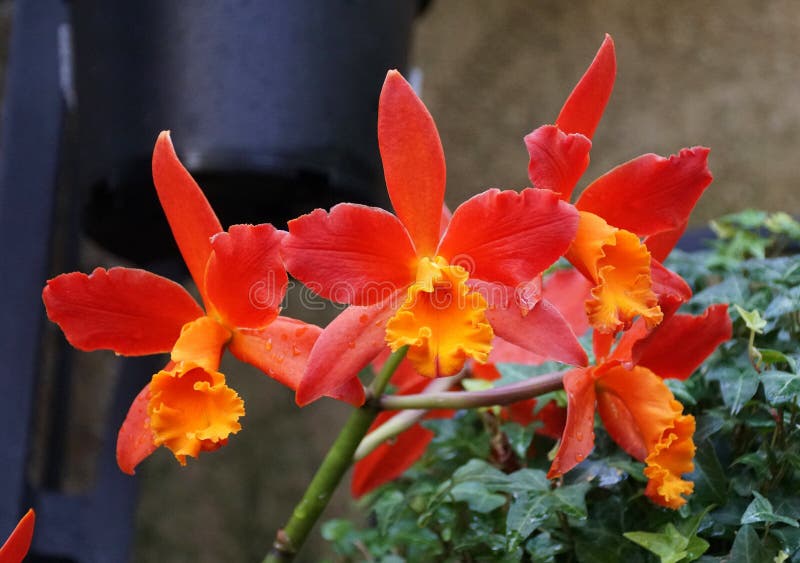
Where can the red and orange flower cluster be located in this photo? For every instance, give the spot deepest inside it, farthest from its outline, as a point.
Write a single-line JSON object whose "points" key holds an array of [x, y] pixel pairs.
{"points": [[449, 287]]}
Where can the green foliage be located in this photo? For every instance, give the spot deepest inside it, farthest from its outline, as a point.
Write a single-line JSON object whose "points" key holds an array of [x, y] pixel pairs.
{"points": [[467, 501]]}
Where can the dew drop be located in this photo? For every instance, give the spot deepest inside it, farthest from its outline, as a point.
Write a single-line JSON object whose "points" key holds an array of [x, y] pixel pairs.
{"points": [[284, 337], [351, 344], [363, 319], [300, 331], [295, 351], [579, 457], [579, 436], [268, 344]]}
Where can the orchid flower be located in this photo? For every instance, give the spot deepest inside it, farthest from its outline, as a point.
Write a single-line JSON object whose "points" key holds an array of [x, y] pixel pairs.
{"points": [[18, 543], [188, 406], [638, 410], [630, 218], [442, 295]]}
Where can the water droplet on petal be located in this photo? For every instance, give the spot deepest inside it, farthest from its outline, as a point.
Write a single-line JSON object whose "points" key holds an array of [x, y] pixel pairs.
{"points": [[295, 351], [268, 344], [300, 331], [284, 337], [579, 457], [351, 344], [579, 436], [363, 319]]}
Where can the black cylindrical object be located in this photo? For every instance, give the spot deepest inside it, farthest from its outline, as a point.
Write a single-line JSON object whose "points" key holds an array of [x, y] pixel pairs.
{"points": [[272, 106]]}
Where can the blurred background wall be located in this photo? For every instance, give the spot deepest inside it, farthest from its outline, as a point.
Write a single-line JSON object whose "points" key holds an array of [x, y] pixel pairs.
{"points": [[721, 75]]}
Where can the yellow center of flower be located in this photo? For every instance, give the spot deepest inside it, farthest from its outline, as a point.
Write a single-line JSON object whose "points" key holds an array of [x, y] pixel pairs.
{"points": [[619, 264], [442, 321], [192, 410]]}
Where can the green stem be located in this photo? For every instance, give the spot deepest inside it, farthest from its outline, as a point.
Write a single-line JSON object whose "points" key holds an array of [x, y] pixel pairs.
{"points": [[504, 395], [339, 458], [402, 421]]}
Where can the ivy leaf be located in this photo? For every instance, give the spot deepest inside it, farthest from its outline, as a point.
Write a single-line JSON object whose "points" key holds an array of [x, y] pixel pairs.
{"points": [[670, 545], [709, 477], [482, 472], [737, 385], [543, 548], [760, 510], [781, 387], [752, 319], [477, 496], [526, 513], [747, 547], [387, 508], [571, 499], [529, 480]]}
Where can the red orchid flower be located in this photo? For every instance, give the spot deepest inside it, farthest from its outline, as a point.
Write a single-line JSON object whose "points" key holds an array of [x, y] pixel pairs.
{"points": [[187, 406], [18, 543], [405, 282], [630, 218], [638, 410]]}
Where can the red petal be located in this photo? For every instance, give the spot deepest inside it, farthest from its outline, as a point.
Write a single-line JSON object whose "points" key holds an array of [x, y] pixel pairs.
{"points": [[568, 290], [245, 279], [509, 237], [649, 194], [671, 289], [18, 543], [578, 438], [661, 244], [678, 346], [135, 438], [281, 350], [129, 311], [350, 342], [542, 331], [557, 160], [584, 107], [389, 460], [190, 217], [413, 161], [354, 254]]}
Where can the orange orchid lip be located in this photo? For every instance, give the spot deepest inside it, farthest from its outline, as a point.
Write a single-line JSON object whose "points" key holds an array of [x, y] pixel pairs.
{"points": [[619, 265], [442, 321], [191, 409]]}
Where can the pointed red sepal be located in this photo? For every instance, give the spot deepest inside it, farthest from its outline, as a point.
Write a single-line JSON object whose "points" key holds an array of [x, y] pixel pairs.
{"points": [[413, 161], [135, 438], [578, 438], [557, 159], [132, 312], [18, 543], [509, 237], [677, 347], [350, 342], [542, 331], [649, 194], [354, 254], [389, 460], [190, 217], [245, 280], [584, 107]]}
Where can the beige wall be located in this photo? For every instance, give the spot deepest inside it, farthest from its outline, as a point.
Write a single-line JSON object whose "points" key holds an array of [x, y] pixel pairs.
{"points": [[721, 74]]}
